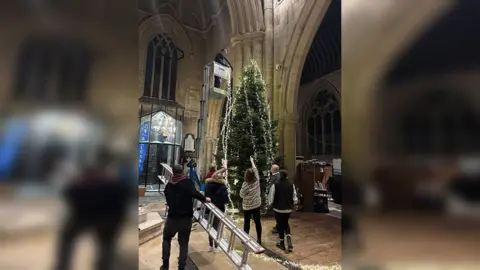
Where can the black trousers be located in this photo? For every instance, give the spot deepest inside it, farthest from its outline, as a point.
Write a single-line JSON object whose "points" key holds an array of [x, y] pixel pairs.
{"points": [[282, 224], [105, 232], [182, 226], [247, 217], [211, 241]]}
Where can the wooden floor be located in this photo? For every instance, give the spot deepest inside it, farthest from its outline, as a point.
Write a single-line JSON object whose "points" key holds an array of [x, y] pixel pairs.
{"points": [[316, 238]]}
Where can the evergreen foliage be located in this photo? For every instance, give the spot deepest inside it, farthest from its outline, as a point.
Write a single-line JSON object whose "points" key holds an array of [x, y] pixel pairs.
{"points": [[251, 133]]}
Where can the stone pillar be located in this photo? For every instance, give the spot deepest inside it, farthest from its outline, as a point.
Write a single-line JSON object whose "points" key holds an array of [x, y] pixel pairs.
{"points": [[268, 50], [289, 141], [247, 50], [238, 61], [208, 153], [258, 52]]}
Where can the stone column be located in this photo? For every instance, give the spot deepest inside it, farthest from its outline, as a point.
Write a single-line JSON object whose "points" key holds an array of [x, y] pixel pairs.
{"points": [[208, 153], [238, 60], [247, 50], [289, 141], [257, 39], [268, 50]]}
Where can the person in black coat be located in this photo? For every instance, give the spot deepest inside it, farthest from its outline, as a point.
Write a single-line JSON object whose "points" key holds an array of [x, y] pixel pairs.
{"points": [[216, 189]]}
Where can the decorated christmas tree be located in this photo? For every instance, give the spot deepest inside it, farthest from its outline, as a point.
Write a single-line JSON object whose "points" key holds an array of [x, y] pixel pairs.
{"points": [[247, 130]]}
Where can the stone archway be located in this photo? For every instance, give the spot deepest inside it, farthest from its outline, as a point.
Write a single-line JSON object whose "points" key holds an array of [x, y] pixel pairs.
{"points": [[367, 54], [305, 30], [301, 39]]}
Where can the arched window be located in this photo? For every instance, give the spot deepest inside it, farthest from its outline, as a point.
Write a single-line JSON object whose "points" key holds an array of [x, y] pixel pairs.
{"points": [[438, 123], [54, 68], [323, 124], [161, 68]]}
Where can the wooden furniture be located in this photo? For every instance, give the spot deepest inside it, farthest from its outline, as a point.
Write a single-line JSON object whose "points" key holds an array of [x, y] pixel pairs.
{"points": [[305, 177], [141, 191]]}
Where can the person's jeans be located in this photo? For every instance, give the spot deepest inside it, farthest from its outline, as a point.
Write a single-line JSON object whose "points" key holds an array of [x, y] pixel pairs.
{"points": [[282, 224], [182, 226], [211, 241], [247, 216]]}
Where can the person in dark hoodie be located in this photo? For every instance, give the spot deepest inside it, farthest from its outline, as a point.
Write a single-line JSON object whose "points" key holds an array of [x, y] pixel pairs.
{"points": [[282, 197], [217, 190], [179, 193]]}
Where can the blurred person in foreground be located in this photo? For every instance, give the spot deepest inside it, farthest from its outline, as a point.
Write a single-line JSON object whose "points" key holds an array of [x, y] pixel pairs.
{"points": [[179, 193], [252, 200], [217, 190], [275, 176], [97, 202], [282, 198]]}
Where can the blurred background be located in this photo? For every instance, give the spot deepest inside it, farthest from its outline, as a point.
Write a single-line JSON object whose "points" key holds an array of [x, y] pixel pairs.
{"points": [[69, 116], [410, 134]]}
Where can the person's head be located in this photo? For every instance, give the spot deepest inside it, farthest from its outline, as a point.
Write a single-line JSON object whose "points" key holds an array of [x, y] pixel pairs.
{"points": [[212, 169], [275, 168], [249, 175], [283, 175], [223, 52], [177, 169]]}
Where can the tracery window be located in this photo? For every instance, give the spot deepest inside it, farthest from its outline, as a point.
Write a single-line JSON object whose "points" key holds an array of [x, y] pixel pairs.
{"points": [[161, 68], [324, 124], [54, 68]]}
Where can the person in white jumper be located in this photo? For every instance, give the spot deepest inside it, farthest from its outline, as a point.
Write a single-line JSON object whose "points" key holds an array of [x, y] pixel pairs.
{"points": [[252, 200]]}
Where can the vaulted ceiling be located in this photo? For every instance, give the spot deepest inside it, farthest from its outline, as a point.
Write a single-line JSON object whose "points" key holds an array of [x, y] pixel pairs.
{"points": [[196, 14], [324, 56]]}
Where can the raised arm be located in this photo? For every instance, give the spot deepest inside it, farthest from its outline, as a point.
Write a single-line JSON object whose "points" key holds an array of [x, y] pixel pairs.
{"points": [[254, 168], [222, 170], [252, 161]]}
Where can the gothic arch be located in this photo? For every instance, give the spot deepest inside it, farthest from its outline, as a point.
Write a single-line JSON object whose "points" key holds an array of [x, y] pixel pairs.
{"points": [[303, 34], [160, 24], [367, 55]]}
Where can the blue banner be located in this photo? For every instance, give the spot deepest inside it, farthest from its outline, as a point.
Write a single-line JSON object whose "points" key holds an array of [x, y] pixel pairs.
{"points": [[143, 147]]}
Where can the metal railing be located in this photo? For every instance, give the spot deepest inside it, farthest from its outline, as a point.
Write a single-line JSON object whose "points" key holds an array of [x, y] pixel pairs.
{"points": [[225, 223]]}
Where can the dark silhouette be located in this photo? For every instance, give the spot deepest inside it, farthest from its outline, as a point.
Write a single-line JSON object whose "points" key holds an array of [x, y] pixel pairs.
{"points": [[179, 193]]}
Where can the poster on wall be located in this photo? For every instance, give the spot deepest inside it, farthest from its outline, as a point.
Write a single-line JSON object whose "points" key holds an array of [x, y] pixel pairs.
{"points": [[143, 146]]}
